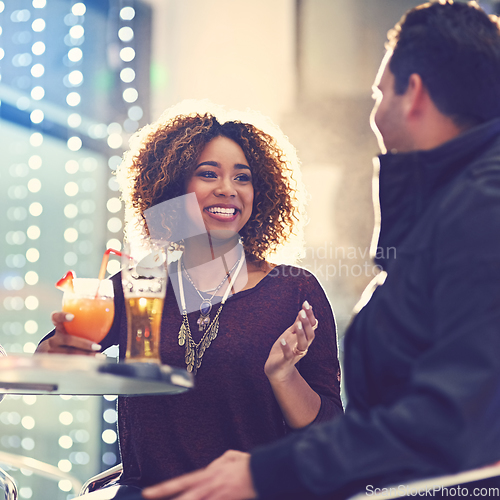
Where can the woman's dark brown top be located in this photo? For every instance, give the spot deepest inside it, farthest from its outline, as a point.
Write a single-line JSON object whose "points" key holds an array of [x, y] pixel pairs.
{"points": [[232, 405]]}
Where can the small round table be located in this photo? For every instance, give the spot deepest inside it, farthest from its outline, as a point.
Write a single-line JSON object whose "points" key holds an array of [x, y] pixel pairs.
{"points": [[87, 375]]}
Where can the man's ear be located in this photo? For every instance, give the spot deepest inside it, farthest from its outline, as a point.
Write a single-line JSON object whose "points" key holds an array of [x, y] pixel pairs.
{"points": [[416, 96]]}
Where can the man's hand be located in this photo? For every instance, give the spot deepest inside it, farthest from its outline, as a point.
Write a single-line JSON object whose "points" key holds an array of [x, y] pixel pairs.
{"points": [[227, 478]]}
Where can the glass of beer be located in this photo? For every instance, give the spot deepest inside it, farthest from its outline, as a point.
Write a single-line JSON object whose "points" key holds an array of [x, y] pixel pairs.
{"points": [[90, 300], [144, 282]]}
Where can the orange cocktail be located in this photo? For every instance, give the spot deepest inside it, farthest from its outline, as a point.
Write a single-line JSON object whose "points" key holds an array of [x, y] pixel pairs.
{"points": [[91, 303]]}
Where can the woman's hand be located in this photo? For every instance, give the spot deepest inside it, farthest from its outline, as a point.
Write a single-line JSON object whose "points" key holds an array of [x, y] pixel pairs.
{"points": [[63, 343], [291, 346]]}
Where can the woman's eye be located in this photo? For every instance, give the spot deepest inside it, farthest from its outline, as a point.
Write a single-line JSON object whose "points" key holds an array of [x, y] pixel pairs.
{"points": [[208, 174], [243, 178]]}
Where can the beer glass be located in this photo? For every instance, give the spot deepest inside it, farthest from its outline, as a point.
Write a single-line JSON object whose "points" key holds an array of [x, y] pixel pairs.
{"points": [[144, 282]]}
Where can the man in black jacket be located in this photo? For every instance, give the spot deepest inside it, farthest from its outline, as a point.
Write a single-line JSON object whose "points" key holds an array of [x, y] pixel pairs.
{"points": [[422, 356]]}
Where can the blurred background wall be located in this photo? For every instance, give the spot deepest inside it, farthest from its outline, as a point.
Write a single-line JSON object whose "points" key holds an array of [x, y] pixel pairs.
{"points": [[78, 78]]}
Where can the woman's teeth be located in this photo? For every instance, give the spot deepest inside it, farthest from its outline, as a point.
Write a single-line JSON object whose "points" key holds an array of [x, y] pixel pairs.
{"points": [[222, 211]]}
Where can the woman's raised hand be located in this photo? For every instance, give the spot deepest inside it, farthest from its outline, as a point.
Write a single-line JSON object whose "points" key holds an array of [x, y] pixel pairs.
{"points": [[291, 346], [63, 343]]}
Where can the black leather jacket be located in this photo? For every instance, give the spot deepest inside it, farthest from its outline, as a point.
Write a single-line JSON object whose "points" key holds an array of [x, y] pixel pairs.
{"points": [[422, 358]]}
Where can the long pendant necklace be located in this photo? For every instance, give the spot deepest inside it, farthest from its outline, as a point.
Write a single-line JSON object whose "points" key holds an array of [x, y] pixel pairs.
{"points": [[206, 304], [194, 351]]}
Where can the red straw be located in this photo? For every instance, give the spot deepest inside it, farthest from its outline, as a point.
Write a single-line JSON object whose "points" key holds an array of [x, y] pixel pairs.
{"points": [[104, 263]]}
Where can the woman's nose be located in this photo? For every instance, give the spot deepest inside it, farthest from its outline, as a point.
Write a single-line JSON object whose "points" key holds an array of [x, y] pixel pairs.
{"points": [[225, 188]]}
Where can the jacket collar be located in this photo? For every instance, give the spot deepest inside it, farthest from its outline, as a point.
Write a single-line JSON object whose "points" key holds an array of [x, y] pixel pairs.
{"points": [[408, 181]]}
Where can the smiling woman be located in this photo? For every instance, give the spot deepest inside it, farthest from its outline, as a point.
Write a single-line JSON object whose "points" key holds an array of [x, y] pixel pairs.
{"points": [[164, 155], [234, 314]]}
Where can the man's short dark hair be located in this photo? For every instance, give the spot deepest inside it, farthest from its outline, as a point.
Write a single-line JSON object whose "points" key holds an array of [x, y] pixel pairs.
{"points": [[455, 48]]}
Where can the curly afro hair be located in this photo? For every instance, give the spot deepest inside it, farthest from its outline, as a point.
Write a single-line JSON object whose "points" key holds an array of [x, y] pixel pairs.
{"points": [[163, 156]]}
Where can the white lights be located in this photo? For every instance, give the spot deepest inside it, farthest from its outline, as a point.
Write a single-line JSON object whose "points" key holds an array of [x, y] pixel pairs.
{"points": [[38, 48], [71, 167], [39, 4], [23, 103], [127, 75], [76, 31], [74, 120], [38, 25], [37, 116], [114, 162], [31, 278], [109, 436], [33, 232], [114, 243], [70, 258], [30, 327], [37, 70], [65, 442], [20, 60], [29, 348], [36, 139], [66, 418], [13, 303], [113, 184], [127, 13], [70, 211], [127, 54], [64, 465], [31, 303], [13, 283], [114, 224], [27, 444], [34, 185], [114, 205], [17, 192], [74, 143], [78, 9], [35, 209], [32, 255], [110, 416], [115, 141], [135, 113], [130, 95], [71, 235], [15, 237], [98, 131], [73, 99], [28, 422], [114, 128], [113, 266], [37, 93], [125, 34], [71, 188], [20, 16], [75, 54], [75, 78], [35, 162], [65, 485]]}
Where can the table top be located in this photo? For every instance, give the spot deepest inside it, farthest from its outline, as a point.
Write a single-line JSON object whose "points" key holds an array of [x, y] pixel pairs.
{"points": [[87, 375]]}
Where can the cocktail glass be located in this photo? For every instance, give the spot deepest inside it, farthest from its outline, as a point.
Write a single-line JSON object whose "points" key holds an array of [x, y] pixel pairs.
{"points": [[90, 300], [144, 282]]}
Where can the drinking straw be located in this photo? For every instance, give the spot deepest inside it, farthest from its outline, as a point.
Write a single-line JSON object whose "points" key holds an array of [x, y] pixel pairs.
{"points": [[104, 263]]}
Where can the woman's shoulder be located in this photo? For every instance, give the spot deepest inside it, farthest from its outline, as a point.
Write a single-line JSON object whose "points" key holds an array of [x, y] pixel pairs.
{"points": [[293, 275]]}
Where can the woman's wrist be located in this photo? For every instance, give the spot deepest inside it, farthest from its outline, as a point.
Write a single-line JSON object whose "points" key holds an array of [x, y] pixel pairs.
{"points": [[282, 376]]}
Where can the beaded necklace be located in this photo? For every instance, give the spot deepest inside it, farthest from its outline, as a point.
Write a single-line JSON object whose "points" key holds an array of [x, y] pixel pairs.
{"points": [[194, 351]]}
